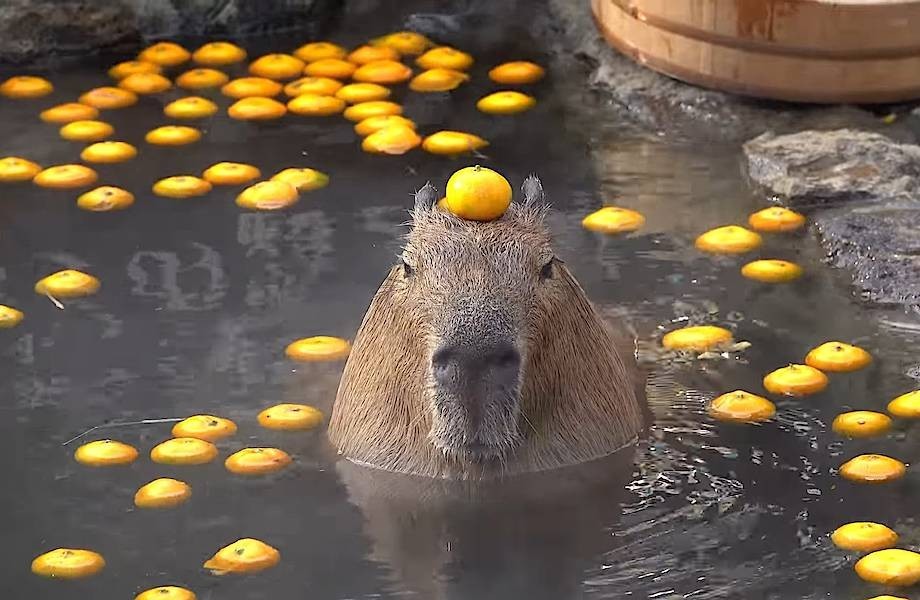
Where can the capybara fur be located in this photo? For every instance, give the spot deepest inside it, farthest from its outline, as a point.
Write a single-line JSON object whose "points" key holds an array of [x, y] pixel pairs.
{"points": [[480, 356]]}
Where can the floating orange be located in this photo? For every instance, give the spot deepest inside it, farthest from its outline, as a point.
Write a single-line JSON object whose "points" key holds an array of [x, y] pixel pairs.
{"points": [[698, 338], [108, 98], [256, 109], [741, 406], [68, 283], [453, 143], [776, 219], [172, 135], [204, 427], [68, 563], [366, 54], [861, 423], [368, 126], [864, 537], [10, 317], [795, 380], [181, 186], [268, 195], [872, 468], [231, 173], [316, 51], [25, 87], [336, 68], [445, 57], [396, 139], [772, 271], [383, 72], [366, 110], [68, 113], [613, 219], [303, 179], [105, 453], [65, 176], [320, 86], [246, 555], [218, 54], [519, 72], [906, 406], [199, 79], [86, 131], [313, 105], [318, 348], [249, 87], [277, 66], [183, 451], [167, 592], [162, 493], [730, 239], [506, 102], [355, 93], [257, 461], [108, 152], [130, 67], [167, 54], [838, 357], [105, 198], [192, 107], [894, 567], [145, 83], [14, 169], [290, 417], [404, 42], [437, 80]]}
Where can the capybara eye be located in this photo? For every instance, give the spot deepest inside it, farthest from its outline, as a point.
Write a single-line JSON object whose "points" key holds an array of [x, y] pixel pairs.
{"points": [[406, 269], [547, 271]]}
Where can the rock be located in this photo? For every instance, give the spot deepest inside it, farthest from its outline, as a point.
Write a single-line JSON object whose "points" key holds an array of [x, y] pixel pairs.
{"points": [[824, 168]]}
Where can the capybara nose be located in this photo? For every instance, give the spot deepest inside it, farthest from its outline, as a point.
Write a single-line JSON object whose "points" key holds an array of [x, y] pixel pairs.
{"points": [[457, 367]]}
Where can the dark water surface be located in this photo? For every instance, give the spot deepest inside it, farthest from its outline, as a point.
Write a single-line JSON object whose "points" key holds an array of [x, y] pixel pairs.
{"points": [[199, 299]]}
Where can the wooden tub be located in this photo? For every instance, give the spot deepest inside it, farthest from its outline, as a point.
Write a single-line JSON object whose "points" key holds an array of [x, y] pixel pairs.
{"points": [[865, 51]]}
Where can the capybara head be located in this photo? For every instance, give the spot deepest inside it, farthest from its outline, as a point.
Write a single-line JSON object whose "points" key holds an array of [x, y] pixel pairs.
{"points": [[481, 355]]}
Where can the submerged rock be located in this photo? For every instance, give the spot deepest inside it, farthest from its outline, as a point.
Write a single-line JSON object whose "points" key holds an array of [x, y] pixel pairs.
{"points": [[812, 168]]}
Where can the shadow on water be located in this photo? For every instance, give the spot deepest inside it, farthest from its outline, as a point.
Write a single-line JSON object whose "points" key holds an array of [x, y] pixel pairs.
{"points": [[199, 299]]}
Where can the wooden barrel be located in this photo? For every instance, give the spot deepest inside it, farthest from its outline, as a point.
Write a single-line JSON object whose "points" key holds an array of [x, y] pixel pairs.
{"points": [[827, 51]]}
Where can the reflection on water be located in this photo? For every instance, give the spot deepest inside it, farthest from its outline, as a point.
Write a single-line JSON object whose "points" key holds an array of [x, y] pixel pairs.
{"points": [[199, 299]]}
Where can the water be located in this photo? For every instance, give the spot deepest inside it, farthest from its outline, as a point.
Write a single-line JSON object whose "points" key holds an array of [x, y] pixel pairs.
{"points": [[199, 299]]}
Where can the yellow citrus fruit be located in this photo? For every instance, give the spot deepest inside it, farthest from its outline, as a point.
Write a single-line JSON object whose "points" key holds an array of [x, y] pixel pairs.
{"points": [[290, 417], [202, 78], [162, 493], [741, 406], [518, 72], [886, 597], [166, 592], [776, 219], [872, 468], [445, 57], [906, 406], [68, 113], [25, 87], [246, 555], [396, 139], [313, 105], [192, 107], [204, 427], [68, 283], [506, 102], [861, 423], [367, 54], [795, 380], [230, 173], [336, 68], [108, 152], [105, 453], [404, 42], [318, 348], [145, 83], [838, 357], [14, 169], [9, 317], [181, 186], [355, 93], [257, 461], [314, 51], [730, 239], [478, 194], [864, 537], [453, 143], [772, 271], [68, 563], [303, 179], [437, 80], [386, 72], [442, 204], [183, 451], [366, 110], [697, 338], [895, 567], [613, 219], [277, 66], [130, 67], [256, 109], [108, 98], [251, 87], [218, 54], [86, 131], [167, 54], [105, 198], [320, 86], [65, 176], [172, 135], [268, 195], [368, 126]]}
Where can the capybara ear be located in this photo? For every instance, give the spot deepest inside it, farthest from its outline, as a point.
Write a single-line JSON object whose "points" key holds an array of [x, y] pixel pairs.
{"points": [[533, 192], [425, 198]]}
